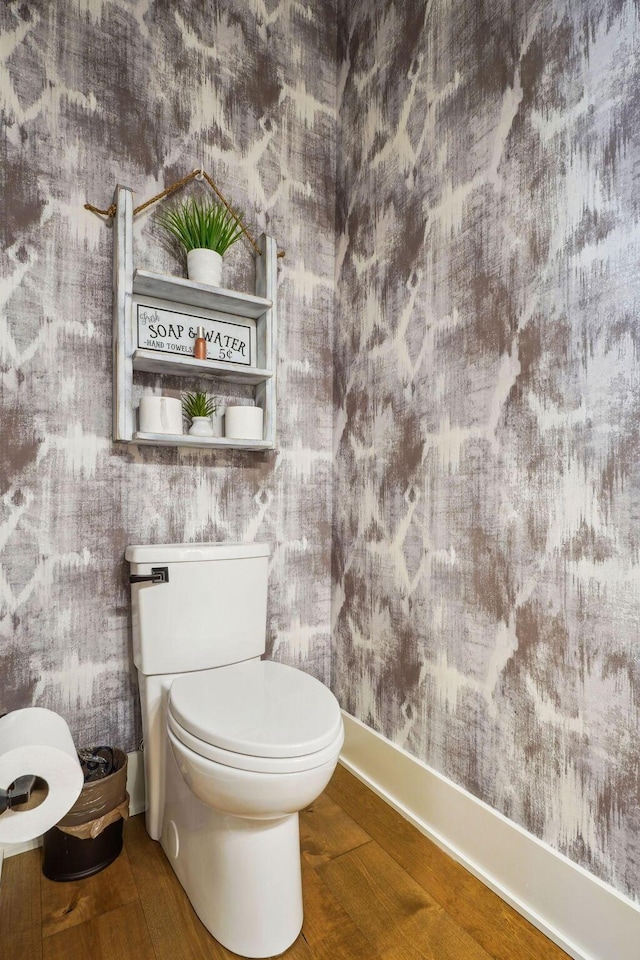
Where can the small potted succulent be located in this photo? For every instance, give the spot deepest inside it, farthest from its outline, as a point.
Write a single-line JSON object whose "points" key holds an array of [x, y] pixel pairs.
{"points": [[198, 408], [205, 229]]}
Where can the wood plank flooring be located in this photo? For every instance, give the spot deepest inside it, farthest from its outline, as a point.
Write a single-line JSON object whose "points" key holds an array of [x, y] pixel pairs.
{"points": [[374, 889]]}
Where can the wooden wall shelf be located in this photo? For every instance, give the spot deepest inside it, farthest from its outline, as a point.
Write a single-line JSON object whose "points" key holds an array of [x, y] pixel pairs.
{"points": [[200, 443], [152, 361], [180, 290], [175, 292]]}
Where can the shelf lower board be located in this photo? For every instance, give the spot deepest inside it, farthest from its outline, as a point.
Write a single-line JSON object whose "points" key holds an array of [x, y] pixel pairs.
{"points": [[202, 443], [179, 290], [152, 361]]}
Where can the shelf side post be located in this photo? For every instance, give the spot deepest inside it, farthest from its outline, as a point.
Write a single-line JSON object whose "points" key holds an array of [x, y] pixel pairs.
{"points": [[267, 332], [122, 298]]}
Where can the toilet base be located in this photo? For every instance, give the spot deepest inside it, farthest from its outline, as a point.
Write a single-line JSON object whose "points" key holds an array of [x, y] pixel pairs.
{"points": [[243, 877]]}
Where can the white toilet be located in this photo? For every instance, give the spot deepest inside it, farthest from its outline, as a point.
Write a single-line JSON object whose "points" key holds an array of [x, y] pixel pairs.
{"points": [[234, 746]]}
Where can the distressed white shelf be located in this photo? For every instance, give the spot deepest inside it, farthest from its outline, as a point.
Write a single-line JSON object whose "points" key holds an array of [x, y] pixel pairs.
{"points": [[179, 290], [200, 443], [162, 290], [152, 361]]}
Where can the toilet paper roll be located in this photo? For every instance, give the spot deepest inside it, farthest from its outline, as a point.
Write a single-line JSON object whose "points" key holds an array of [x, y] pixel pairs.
{"points": [[160, 415], [243, 423], [38, 742]]}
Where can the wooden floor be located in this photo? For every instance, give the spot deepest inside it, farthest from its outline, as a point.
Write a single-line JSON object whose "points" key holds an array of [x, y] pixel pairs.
{"points": [[374, 889]]}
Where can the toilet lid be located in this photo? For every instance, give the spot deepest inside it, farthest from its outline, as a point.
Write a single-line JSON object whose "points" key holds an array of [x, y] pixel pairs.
{"points": [[259, 708]]}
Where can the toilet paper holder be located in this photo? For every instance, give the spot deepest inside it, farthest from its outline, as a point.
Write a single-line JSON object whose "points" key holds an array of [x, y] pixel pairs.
{"points": [[18, 792]]}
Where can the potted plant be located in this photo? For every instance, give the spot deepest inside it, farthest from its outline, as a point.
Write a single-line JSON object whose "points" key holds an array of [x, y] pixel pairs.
{"points": [[205, 229], [198, 408]]}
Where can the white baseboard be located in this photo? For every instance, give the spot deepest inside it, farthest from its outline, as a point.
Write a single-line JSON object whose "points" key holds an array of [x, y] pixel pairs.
{"points": [[137, 804], [584, 916]]}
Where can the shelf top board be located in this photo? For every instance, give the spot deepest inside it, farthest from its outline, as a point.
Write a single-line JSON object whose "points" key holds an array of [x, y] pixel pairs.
{"points": [[179, 290]]}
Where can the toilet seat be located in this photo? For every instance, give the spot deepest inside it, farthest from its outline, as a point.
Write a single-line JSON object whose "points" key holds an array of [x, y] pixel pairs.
{"points": [[243, 761], [257, 715]]}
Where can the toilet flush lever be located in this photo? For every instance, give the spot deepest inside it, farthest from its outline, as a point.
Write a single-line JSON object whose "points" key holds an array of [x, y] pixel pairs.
{"points": [[157, 575]]}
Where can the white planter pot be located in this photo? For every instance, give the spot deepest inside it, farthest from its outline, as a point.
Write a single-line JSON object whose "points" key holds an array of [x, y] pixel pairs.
{"points": [[201, 427], [204, 266], [243, 423]]}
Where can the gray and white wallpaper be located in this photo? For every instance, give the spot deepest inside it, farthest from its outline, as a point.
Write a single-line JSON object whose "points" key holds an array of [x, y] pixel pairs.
{"points": [[95, 93], [457, 185], [487, 392]]}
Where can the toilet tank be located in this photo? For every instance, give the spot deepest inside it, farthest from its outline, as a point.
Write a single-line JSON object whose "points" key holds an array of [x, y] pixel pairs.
{"points": [[212, 611]]}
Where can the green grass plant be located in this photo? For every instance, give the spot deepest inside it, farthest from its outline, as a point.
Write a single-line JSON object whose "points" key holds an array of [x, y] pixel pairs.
{"points": [[198, 404], [202, 224]]}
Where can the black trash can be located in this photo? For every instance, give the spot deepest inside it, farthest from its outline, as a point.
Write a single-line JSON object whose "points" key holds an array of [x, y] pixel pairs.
{"points": [[89, 837]]}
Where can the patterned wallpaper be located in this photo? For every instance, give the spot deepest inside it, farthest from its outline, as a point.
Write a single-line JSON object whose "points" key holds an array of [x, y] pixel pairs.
{"points": [[99, 92], [487, 391]]}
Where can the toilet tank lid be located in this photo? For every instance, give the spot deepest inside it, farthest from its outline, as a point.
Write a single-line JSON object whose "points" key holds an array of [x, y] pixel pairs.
{"points": [[194, 552]]}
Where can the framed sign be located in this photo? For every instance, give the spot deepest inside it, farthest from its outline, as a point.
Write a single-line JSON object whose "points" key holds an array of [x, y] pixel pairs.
{"points": [[169, 331]]}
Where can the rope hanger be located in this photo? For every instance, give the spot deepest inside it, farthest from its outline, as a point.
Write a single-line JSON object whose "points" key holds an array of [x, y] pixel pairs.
{"points": [[199, 174]]}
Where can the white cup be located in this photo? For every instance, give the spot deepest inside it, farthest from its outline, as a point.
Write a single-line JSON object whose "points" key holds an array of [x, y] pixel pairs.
{"points": [[160, 415], [243, 423]]}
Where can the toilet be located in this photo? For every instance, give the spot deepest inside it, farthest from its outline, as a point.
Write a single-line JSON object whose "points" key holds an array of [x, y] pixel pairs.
{"points": [[234, 745]]}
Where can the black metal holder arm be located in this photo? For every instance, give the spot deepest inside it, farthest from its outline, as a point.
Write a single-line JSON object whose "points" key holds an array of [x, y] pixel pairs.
{"points": [[18, 792]]}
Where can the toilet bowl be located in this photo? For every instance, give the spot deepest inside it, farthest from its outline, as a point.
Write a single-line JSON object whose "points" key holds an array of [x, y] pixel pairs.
{"points": [[254, 739], [235, 746], [254, 743], [248, 793]]}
